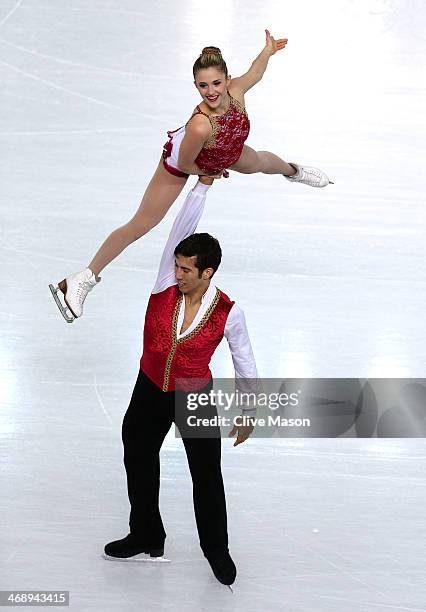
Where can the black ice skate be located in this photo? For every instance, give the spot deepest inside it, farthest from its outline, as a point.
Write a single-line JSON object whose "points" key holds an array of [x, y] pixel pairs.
{"points": [[223, 568], [130, 549]]}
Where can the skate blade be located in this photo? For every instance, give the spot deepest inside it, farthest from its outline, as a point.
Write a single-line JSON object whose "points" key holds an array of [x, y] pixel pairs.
{"points": [[142, 558], [69, 318]]}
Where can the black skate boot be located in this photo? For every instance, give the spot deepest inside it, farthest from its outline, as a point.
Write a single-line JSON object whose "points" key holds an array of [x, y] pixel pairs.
{"points": [[223, 567], [131, 549]]}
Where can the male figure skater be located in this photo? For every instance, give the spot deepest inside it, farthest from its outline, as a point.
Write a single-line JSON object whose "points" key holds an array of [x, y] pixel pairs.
{"points": [[186, 318]]}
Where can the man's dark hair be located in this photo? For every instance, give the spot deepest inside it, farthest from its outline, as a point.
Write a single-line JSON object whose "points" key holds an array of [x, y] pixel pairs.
{"points": [[205, 248]]}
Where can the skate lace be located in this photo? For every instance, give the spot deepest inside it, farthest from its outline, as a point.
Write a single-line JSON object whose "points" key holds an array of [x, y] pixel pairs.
{"points": [[83, 289], [312, 176]]}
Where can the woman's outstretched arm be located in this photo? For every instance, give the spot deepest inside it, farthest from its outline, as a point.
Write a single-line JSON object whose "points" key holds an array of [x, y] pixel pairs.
{"points": [[258, 67]]}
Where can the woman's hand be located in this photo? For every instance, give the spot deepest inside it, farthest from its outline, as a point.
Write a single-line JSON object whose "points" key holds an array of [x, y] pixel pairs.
{"points": [[274, 45]]}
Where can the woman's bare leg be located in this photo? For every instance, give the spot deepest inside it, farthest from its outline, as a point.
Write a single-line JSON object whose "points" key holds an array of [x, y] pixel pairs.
{"points": [[252, 161], [162, 191]]}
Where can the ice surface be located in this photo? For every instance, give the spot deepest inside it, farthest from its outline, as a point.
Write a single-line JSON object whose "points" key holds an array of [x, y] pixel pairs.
{"points": [[332, 282]]}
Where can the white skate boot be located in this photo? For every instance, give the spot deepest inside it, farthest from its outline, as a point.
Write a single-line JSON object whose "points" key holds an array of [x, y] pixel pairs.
{"points": [[310, 176], [75, 289]]}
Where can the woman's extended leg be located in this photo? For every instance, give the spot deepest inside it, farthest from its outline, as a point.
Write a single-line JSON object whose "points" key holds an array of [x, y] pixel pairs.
{"points": [[252, 161], [162, 191]]}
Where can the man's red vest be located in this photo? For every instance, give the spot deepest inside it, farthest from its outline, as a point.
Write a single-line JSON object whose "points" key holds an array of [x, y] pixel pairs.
{"points": [[166, 357]]}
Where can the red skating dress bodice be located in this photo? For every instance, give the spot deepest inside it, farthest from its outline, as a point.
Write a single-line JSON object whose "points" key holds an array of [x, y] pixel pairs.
{"points": [[225, 145]]}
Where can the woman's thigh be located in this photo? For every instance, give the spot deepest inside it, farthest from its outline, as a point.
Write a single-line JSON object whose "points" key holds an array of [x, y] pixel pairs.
{"points": [[163, 189], [248, 162]]}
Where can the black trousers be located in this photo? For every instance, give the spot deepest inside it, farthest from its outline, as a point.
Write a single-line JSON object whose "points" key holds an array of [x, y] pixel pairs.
{"points": [[148, 419]]}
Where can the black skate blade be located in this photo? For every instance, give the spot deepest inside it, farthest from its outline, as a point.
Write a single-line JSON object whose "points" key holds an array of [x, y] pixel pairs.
{"points": [[62, 309], [141, 558]]}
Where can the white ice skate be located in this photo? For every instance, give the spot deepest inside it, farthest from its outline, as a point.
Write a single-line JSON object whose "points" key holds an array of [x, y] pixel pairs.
{"points": [[75, 289], [309, 176]]}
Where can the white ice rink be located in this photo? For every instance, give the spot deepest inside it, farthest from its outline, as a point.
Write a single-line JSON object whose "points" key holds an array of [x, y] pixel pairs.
{"points": [[332, 282]]}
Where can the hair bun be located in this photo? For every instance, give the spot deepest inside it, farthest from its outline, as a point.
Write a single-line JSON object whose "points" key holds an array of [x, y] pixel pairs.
{"points": [[210, 57], [211, 51]]}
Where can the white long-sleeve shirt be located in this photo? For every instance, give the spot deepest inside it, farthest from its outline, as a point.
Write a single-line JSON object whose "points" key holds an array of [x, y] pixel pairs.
{"points": [[235, 331]]}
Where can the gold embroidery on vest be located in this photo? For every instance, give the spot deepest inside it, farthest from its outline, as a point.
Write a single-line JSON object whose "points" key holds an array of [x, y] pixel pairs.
{"points": [[176, 340], [170, 356]]}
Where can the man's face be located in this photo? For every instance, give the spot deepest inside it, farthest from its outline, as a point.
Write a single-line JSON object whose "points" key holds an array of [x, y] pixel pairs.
{"points": [[187, 274]]}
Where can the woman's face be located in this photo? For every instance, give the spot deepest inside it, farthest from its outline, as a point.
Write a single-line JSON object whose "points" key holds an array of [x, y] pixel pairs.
{"points": [[212, 85]]}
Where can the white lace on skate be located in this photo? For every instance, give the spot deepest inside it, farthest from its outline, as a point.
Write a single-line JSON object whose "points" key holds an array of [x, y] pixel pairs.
{"points": [[78, 286], [309, 176]]}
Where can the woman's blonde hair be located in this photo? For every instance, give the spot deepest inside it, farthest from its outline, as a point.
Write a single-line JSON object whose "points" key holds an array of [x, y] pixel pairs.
{"points": [[211, 57]]}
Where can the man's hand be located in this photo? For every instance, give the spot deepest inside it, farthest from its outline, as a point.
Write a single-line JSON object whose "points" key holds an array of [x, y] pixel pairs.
{"points": [[206, 180], [274, 45], [211, 177], [241, 431]]}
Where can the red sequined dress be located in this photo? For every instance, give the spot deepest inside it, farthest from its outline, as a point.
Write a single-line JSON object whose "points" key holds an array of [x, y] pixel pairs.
{"points": [[225, 145]]}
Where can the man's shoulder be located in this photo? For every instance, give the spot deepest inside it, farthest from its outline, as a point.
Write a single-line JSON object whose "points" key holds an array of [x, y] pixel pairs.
{"points": [[170, 292], [235, 312], [225, 297]]}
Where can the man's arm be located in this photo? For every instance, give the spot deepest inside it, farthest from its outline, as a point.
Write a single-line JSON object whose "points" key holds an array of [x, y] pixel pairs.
{"points": [[238, 339], [246, 375], [184, 225]]}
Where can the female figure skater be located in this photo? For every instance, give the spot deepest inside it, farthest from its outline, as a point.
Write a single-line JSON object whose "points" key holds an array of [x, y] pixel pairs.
{"points": [[211, 142]]}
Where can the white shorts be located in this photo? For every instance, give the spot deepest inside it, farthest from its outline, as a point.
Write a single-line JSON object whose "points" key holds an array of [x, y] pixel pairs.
{"points": [[171, 152]]}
